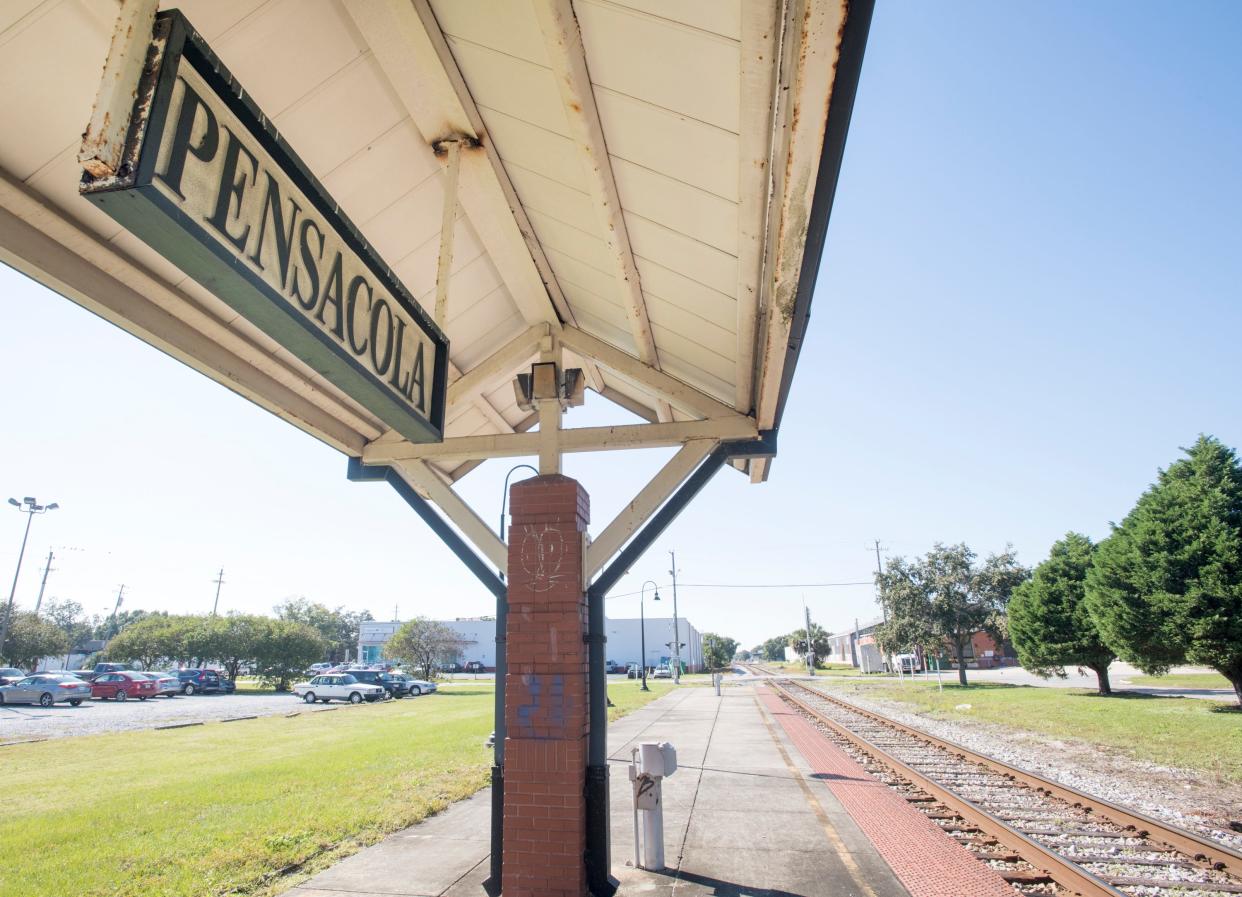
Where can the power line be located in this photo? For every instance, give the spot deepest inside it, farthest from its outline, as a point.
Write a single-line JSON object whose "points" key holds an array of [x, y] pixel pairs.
{"points": [[762, 585]]}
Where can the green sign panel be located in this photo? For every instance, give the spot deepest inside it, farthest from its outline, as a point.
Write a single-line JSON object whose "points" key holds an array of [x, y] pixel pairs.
{"points": [[208, 183]]}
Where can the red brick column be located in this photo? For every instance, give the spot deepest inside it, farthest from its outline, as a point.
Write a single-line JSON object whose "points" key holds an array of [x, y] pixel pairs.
{"points": [[546, 709]]}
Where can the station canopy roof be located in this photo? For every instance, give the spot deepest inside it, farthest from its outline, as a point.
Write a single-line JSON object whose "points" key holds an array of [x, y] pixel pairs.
{"points": [[648, 180]]}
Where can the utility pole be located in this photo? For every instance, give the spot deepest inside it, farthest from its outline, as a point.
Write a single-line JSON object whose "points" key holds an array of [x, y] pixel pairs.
{"points": [[810, 650], [43, 585], [879, 585], [219, 581], [120, 597], [676, 630], [879, 572]]}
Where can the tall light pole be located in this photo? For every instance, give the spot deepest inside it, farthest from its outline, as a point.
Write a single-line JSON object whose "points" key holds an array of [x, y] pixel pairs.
{"points": [[676, 629], [28, 506], [642, 625]]}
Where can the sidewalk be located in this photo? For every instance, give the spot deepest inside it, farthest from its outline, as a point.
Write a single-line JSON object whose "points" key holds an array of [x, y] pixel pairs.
{"points": [[745, 815]]}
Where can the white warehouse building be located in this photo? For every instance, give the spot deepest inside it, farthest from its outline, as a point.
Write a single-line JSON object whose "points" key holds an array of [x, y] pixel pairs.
{"points": [[477, 641]]}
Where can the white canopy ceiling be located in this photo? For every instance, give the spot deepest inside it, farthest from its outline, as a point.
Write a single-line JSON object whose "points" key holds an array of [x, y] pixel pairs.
{"points": [[642, 180]]}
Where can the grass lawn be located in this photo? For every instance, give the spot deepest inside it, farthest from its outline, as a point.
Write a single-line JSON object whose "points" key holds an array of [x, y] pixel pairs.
{"points": [[239, 808], [799, 669], [1182, 680], [1186, 732]]}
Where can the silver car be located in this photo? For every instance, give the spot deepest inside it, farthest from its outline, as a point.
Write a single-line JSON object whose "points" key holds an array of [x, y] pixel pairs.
{"points": [[45, 689]]}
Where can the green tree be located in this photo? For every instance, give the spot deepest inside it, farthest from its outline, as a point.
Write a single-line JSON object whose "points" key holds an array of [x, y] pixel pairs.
{"points": [[1049, 622], [32, 638], [238, 637], [945, 598], [148, 642], [107, 627], [69, 618], [773, 648], [1166, 587], [283, 649], [338, 626], [821, 643], [718, 651], [424, 645]]}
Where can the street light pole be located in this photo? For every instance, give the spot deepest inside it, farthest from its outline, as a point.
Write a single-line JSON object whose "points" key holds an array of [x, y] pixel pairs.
{"points": [[28, 506], [642, 626], [504, 500], [676, 628]]}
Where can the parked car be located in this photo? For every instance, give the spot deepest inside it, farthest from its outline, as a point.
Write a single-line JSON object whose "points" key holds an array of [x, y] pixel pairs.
{"points": [[453, 667], [633, 671], [194, 681], [475, 666], [45, 689], [9, 675], [393, 683], [338, 686], [316, 668], [167, 684], [122, 686], [614, 667], [662, 673], [418, 686], [101, 668]]}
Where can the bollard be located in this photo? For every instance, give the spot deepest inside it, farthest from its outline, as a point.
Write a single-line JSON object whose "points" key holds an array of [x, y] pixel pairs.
{"points": [[650, 764], [716, 677]]}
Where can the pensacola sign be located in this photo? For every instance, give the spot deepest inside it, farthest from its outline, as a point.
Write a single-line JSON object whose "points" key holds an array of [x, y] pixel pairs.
{"points": [[207, 182]]}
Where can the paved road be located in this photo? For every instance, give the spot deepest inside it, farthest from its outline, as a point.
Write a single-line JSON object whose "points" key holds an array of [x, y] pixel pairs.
{"points": [[22, 722]]}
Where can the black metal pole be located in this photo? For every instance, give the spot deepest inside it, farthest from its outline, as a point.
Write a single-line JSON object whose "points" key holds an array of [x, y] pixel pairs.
{"points": [[496, 864], [599, 843], [642, 629]]}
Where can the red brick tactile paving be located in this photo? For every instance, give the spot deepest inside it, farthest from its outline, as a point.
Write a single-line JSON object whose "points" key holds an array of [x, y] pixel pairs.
{"points": [[926, 860]]}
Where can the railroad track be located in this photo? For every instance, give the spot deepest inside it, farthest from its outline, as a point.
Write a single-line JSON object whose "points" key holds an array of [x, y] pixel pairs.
{"points": [[1044, 838]]}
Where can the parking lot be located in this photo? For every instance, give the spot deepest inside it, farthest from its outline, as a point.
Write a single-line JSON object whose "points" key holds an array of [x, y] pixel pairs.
{"points": [[26, 722]]}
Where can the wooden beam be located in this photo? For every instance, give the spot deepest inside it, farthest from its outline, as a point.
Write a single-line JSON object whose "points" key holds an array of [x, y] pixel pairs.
{"points": [[103, 141], [563, 41], [39, 241], [646, 503], [430, 483], [668, 389], [808, 69], [583, 439], [503, 362], [760, 26], [525, 424], [410, 48]]}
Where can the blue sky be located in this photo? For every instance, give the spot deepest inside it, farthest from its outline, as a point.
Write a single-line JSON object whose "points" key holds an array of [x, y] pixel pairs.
{"points": [[1030, 298]]}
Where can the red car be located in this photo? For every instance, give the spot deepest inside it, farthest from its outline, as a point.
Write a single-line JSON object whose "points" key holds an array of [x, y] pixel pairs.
{"points": [[123, 686]]}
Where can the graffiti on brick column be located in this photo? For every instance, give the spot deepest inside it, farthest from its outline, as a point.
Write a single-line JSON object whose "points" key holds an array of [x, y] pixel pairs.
{"points": [[554, 707], [543, 556]]}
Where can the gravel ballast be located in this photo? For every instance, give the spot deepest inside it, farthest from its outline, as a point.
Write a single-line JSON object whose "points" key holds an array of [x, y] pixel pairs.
{"points": [[1179, 796]]}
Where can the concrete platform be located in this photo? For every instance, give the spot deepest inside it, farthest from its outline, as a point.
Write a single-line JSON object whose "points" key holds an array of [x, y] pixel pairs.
{"points": [[747, 815]]}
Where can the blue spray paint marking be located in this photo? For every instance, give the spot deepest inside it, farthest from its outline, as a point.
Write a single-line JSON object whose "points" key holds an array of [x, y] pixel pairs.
{"points": [[556, 707]]}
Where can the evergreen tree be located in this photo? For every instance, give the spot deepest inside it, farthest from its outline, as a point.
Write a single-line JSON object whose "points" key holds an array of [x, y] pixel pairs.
{"points": [[1166, 586], [1049, 622]]}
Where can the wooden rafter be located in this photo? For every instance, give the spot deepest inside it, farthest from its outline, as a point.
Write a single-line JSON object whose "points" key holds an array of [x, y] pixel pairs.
{"points": [[563, 42], [582, 439]]}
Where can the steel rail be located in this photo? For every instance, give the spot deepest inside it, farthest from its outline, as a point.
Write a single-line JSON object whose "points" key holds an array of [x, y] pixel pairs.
{"points": [[1218, 856], [1065, 873]]}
